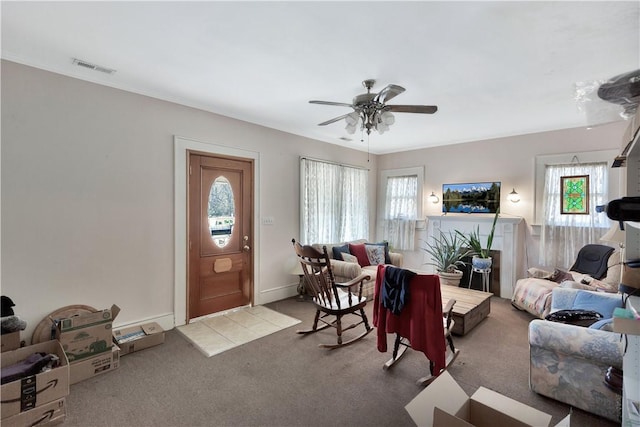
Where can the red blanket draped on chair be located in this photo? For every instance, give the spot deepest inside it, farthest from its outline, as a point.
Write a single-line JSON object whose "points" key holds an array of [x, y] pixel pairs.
{"points": [[420, 320]]}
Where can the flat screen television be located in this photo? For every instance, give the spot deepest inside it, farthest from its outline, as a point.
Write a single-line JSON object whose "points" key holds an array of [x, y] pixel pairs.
{"points": [[475, 197]]}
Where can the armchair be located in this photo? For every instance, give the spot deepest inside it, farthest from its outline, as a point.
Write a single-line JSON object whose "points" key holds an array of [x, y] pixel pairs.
{"points": [[597, 267], [569, 363]]}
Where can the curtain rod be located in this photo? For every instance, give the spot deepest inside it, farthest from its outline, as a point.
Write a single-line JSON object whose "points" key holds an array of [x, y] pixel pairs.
{"points": [[333, 163]]}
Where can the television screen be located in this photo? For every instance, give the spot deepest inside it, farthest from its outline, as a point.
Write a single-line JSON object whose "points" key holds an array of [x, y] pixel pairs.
{"points": [[477, 197]]}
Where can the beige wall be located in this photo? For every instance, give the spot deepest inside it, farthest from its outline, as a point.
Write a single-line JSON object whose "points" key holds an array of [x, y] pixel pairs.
{"points": [[508, 160], [87, 190], [88, 199]]}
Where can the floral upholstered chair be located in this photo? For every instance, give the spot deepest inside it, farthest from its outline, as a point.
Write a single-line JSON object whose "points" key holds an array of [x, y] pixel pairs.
{"points": [[568, 363]]}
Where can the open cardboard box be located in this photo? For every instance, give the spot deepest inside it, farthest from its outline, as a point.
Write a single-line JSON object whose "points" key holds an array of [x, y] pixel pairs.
{"points": [[86, 335], [445, 404], [35, 390], [137, 338]]}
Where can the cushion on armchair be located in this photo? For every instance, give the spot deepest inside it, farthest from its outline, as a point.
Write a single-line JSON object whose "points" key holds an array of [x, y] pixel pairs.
{"points": [[586, 300]]}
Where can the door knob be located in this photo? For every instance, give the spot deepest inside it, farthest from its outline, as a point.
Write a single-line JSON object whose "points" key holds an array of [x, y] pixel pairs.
{"points": [[246, 248]]}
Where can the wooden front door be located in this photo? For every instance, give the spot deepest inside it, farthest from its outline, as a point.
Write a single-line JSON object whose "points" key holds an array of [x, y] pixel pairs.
{"points": [[220, 273]]}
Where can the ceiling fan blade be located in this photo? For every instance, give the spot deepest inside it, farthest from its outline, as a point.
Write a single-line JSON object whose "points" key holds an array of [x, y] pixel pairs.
{"points": [[342, 104], [424, 109], [333, 120], [389, 92]]}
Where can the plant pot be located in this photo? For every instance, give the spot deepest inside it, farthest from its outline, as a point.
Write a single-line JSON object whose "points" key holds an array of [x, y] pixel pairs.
{"points": [[481, 263], [450, 279]]}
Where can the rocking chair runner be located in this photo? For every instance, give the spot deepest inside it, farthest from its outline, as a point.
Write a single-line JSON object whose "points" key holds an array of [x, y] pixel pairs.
{"points": [[329, 297]]}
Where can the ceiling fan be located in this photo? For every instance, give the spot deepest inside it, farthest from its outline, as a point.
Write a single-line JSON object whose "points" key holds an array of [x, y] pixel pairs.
{"points": [[371, 110]]}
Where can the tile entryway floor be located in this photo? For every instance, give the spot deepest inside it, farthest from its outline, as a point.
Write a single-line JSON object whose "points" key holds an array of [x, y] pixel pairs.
{"points": [[213, 335]]}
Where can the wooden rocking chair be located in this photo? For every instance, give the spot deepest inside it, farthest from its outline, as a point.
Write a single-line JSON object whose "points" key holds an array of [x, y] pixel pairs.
{"points": [[329, 297]]}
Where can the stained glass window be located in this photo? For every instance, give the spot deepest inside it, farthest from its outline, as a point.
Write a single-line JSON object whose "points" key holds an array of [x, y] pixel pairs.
{"points": [[574, 194]]}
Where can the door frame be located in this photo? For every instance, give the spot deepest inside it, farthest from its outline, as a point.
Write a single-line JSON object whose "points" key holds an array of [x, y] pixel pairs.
{"points": [[182, 147]]}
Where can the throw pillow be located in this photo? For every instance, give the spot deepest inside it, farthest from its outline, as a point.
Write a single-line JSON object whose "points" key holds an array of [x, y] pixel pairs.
{"points": [[387, 258], [539, 273], [559, 276], [375, 254], [349, 258], [586, 300], [360, 252], [339, 250]]}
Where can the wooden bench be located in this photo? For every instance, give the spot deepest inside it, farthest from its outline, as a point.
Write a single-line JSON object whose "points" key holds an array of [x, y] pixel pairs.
{"points": [[470, 309]]}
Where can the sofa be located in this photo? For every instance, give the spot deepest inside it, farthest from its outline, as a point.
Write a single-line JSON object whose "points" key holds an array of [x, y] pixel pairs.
{"points": [[597, 268], [359, 262], [568, 363]]}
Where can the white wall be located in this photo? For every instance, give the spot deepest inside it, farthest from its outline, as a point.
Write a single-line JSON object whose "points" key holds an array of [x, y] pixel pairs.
{"points": [[511, 161], [87, 194]]}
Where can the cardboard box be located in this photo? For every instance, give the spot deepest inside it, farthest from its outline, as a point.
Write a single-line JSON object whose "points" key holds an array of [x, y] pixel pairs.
{"points": [[35, 390], [445, 404], [96, 365], [49, 414], [137, 338], [624, 322], [86, 335], [88, 319], [10, 341]]}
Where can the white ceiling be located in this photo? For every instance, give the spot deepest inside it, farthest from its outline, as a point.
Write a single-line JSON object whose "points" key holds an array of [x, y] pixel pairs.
{"points": [[493, 68]]}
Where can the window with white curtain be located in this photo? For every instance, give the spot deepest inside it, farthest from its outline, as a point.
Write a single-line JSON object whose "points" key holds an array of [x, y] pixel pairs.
{"points": [[402, 206], [333, 202], [563, 235]]}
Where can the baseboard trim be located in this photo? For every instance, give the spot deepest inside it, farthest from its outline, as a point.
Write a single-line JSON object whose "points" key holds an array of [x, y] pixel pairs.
{"points": [[167, 321], [276, 294]]}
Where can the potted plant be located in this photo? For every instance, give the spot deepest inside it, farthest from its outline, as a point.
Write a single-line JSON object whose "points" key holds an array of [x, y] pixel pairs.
{"points": [[481, 254], [447, 253]]}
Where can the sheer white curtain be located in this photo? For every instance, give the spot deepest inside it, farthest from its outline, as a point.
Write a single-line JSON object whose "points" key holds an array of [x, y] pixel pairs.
{"points": [[401, 211], [333, 202], [563, 235]]}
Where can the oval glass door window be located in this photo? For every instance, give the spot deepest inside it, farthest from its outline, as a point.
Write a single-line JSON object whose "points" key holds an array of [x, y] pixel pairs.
{"points": [[221, 211]]}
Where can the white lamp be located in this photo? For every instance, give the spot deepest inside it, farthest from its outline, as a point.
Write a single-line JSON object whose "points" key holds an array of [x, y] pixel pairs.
{"points": [[614, 235], [433, 198]]}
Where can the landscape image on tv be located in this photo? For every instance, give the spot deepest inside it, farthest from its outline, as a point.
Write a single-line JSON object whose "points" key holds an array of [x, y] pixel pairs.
{"points": [[477, 197]]}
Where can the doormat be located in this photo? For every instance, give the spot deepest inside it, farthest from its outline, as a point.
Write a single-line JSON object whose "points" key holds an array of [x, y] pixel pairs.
{"points": [[213, 335]]}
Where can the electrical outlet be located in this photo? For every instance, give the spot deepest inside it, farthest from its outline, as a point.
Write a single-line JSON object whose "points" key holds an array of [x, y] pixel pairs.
{"points": [[267, 220]]}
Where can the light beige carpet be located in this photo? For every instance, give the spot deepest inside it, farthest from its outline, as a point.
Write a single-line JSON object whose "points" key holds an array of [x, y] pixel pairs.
{"points": [[216, 334]]}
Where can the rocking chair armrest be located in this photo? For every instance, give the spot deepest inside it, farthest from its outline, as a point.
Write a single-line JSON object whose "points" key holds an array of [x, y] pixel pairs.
{"points": [[360, 279]]}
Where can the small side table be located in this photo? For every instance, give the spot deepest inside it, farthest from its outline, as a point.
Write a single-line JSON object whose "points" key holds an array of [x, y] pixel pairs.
{"points": [[485, 272]]}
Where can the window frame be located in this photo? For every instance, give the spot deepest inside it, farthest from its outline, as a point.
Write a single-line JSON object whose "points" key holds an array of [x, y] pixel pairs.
{"points": [[304, 236], [542, 161], [382, 186]]}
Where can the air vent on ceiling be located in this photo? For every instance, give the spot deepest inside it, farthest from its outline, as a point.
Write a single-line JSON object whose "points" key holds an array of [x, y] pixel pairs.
{"points": [[89, 65]]}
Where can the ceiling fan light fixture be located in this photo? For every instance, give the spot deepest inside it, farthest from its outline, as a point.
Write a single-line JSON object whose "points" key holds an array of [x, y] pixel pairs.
{"points": [[387, 118], [352, 119], [370, 110], [351, 129]]}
